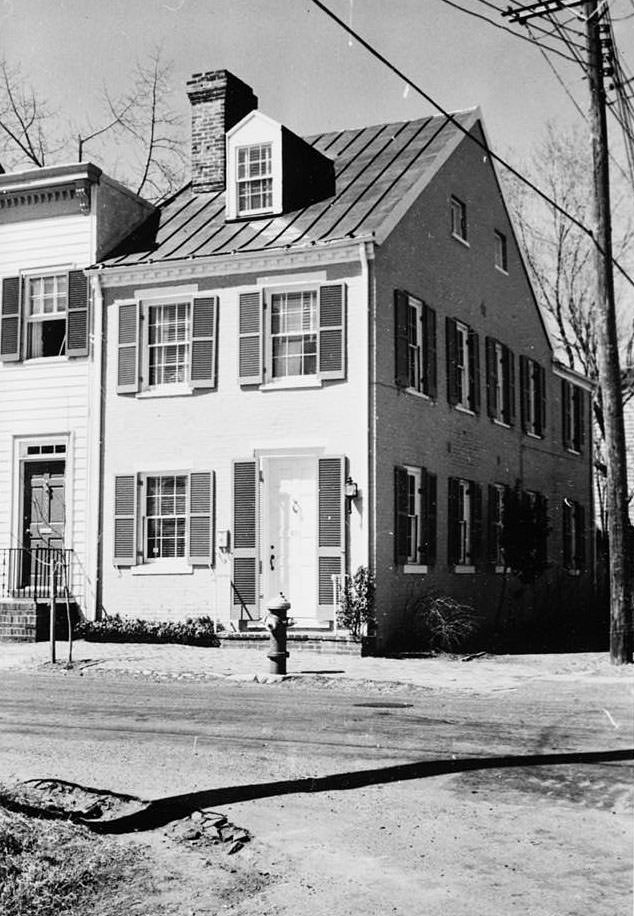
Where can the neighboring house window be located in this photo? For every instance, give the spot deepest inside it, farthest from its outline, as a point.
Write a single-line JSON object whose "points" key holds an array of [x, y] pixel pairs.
{"points": [[501, 255], [168, 343], [464, 522], [415, 524], [415, 328], [294, 325], [291, 334], [163, 344], [463, 365], [500, 370], [458, 219], [574, 536], [46, 303], [44, 316], [255, 178], [532, 396], [163, 517], [573, 416]]}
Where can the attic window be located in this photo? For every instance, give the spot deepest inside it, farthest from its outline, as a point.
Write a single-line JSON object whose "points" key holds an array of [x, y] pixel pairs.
{"points": [[255, 178]]}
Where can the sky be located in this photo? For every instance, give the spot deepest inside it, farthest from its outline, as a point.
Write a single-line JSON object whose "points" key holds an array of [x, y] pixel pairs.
{"points": [[305, 70]]}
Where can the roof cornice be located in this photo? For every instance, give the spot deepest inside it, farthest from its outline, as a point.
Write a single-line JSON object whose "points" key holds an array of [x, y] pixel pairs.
{"points": [[571, 375], [49, 176]]}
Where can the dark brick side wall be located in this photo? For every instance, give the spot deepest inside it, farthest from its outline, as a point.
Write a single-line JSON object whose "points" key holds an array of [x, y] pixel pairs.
{"points": [[462, 282]]}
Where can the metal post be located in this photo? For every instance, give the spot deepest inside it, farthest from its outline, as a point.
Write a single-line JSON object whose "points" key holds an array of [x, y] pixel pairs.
{"points": [[51, 592]]}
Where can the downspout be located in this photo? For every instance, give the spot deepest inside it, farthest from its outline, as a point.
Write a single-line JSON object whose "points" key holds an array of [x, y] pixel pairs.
{"points": [[371, 442], [95, 469]]}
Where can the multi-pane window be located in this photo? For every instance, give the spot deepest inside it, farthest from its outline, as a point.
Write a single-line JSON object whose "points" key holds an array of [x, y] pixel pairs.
{"points": [[168, 343], [463, 365], [47, 303], [414, 343], [458, 219], [414, 513], [573, 419], [574, 536], [294, 329], [500, 368], [533, 396], [165, 516], [415, 339], [415, 522], [464, 521], [500, 251], [255, 178]]}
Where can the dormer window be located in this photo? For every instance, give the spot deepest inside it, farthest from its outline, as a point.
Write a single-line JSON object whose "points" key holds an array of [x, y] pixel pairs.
{"points": [[255, 178]]}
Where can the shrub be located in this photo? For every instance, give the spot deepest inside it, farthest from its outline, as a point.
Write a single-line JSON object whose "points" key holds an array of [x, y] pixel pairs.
{"points": [[199, 631], [356, 611], [444, 623]]}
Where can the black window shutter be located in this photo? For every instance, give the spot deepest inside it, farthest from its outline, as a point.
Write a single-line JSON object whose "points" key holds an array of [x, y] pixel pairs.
{"points": [[451, 341], [430, 367], [524, 392], [453, 520], [541, 403], [125, 524], [509, 386], [332, 331], [128, 348], [331, 529], [245, 514], [579, 409], [204, 346], [10, 320], [201, 492], [250, 320], [491, 524], [77, 314], [566, 420], [474, 371], [491, 376], [401, 339], [401, 520], [580, 537], [567, 534], [475, 492], [430, 515]]}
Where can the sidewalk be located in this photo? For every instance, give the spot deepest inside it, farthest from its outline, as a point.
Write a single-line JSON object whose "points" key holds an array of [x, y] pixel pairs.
{"points": [[174, 662]]}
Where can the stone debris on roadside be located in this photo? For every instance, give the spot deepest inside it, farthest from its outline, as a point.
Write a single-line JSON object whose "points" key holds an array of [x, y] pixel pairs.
{"points": [[210, 827]]}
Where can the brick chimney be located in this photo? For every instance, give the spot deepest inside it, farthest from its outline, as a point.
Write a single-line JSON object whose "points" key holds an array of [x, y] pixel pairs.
{"points": [[219, 100]]}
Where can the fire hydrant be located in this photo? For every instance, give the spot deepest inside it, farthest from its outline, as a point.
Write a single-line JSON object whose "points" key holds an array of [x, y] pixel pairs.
{"points": [[277, 622]]}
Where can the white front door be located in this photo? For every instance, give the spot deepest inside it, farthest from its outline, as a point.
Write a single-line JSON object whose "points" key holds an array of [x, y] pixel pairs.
{"points": [[289, 546]]}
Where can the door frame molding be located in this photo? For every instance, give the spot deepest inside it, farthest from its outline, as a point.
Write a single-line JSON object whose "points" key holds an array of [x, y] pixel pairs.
{"points": [[20, 459]]}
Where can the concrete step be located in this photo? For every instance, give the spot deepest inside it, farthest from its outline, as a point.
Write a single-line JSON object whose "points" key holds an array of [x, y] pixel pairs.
{"points": [[297, 642]]}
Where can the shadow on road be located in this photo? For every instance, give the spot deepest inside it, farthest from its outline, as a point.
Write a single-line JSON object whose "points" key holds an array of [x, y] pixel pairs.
{"points": [[162, 811]]}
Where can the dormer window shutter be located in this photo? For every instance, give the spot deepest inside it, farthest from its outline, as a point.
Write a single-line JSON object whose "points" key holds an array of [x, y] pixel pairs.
{"points": [[125, 520], [204, 347], [77, 314], [201, 494], [250, 338], [10, 320], [332, 331], [401, 339], [128, 348]]}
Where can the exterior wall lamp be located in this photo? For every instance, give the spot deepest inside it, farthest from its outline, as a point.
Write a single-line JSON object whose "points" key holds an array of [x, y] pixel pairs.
{"points": [[351, 492]]}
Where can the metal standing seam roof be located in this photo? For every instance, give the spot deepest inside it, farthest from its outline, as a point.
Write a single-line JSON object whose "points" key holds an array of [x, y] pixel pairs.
{"points": [[375, 168]]}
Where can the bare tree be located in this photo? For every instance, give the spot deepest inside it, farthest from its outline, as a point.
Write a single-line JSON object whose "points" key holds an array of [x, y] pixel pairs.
{"points": [[136, 135]]}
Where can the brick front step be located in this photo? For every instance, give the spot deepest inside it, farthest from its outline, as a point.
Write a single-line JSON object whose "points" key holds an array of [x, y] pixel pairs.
{"points": [[22, 620]]}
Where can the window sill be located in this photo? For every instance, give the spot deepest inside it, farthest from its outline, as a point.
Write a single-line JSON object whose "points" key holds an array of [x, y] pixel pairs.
{"points": [[42, 360], [501, 270], [532, 435], [294, 382], [462, 409], [418, 394], [168, 568], [165, 391], [415, 569], [464, 570], [573, 451], [501, 423], [460, 239]]}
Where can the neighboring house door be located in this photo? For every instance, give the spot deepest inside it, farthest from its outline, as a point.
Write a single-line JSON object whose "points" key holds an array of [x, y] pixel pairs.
{"points": [[44, 519], [289, 547]]}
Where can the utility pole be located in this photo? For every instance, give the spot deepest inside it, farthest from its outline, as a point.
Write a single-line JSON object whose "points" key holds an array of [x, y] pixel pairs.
{"points": [[620, 538]]}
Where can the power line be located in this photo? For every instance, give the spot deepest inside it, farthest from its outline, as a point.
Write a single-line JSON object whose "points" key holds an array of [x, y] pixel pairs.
{"points": [[539, 28], [450, 117]]}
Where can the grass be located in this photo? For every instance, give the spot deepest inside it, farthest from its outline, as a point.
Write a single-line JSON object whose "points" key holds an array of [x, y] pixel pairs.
{"points": [[50, 868]]}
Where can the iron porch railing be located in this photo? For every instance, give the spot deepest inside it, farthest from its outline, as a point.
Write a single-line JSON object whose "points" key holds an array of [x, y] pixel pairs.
{"points": [[30, 572]]}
